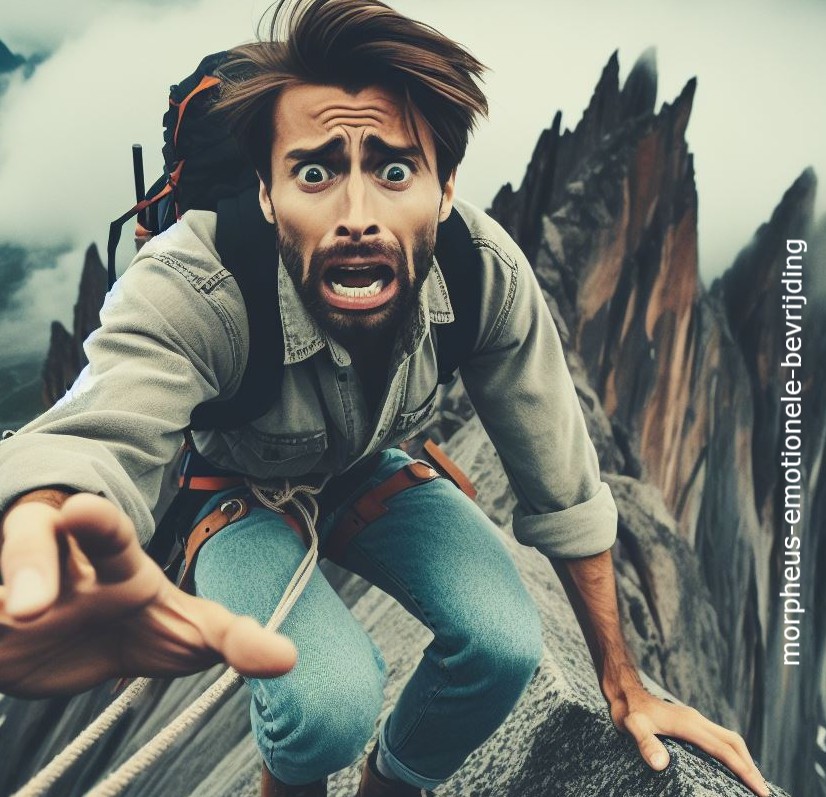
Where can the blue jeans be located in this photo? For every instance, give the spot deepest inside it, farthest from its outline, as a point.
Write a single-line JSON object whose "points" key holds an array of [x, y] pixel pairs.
{"points": [[442, 559]]}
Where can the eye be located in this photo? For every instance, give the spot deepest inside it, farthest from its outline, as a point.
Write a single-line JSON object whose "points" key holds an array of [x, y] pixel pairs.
{"points": [[314, 174], [395, 172]]}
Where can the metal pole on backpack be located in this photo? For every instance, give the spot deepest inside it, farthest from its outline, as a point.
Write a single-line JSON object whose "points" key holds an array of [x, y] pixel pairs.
{"points": [[142, 234], [140, 190]]}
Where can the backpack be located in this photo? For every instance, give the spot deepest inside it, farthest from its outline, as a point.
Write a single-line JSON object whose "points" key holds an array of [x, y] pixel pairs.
{"points": [[205, 169]]}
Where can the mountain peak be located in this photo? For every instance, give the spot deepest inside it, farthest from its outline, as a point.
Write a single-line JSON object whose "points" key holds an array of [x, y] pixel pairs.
{"points": [[9, 61]]}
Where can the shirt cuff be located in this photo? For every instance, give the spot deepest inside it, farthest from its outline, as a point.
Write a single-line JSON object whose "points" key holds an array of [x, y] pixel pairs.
{"points": [[581, 530]]}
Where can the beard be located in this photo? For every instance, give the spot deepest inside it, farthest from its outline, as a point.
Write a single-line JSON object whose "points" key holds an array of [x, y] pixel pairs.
{"points": [[349, 326]]}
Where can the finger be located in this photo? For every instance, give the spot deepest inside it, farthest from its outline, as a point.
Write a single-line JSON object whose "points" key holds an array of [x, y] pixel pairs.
{"points": [[29, 560], [105, 534], [716, 745], [4, 616], [79, 570], [734, 739], [241, 641], [255, 652], [651, 748]]}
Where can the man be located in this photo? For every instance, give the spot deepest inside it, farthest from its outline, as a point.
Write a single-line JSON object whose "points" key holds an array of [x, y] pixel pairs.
{"points": [[356, 126]]}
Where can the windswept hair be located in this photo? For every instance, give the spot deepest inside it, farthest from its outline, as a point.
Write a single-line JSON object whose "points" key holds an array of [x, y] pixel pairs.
{"points": [[353, 44]]}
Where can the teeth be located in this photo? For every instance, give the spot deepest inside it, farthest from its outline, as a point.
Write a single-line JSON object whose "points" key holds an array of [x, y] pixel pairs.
{"points": [[368, 290]]}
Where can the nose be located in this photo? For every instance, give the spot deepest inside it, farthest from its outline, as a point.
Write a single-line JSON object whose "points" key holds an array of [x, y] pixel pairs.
{"points": [[357, 218]]}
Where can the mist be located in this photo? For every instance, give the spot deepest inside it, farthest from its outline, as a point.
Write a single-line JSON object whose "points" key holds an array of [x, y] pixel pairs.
{"points": [[759, 115], [37, 283]]}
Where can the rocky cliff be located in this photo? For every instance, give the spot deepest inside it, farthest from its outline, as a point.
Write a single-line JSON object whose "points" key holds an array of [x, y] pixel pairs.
{"points": [[690, 378], [680, 387], [9, 61], [65, 357]]}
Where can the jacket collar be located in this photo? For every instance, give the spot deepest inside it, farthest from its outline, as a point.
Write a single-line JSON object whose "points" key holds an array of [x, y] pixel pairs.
{"points": [[303, 337]]}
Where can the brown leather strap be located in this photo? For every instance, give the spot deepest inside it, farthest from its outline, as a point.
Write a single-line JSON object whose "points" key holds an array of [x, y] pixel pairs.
{"points": [[371, 506], [210, 483], [448, 468], [220, 517]]}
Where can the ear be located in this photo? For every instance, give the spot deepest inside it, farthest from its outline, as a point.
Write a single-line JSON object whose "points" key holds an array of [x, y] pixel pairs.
{"points": [[265, 202], [446, 203]]}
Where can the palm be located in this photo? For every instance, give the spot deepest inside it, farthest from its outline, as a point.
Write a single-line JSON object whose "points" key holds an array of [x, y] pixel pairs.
{"points": [[115, 613]]}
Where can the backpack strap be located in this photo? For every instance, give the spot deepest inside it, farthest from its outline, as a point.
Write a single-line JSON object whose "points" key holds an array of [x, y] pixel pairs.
{"points": [[195, 137], [461, 265], [248, 247]]}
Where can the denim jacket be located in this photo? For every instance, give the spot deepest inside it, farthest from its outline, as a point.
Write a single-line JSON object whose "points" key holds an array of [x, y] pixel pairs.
{"points": [[174, 334]]}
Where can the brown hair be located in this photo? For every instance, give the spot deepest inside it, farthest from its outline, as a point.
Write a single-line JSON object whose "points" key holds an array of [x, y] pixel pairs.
{"points": [[353, 44]]}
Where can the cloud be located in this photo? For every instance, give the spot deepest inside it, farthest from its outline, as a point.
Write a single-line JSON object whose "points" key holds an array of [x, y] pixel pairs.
{"points": [[47, 295], [758, 120], [45, 25], [16, 267], [66, 133]]}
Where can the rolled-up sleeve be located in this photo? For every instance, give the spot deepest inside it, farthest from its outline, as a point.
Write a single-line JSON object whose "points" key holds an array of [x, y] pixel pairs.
{"points": [[520, 386], [162, 348]]}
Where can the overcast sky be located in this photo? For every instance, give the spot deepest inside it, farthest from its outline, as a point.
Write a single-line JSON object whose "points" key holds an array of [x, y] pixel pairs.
{"points": [[759, 114]]}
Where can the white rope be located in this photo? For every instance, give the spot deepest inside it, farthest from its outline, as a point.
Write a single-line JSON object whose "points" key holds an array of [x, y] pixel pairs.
{"points": [[274, 498], [56, 768]]}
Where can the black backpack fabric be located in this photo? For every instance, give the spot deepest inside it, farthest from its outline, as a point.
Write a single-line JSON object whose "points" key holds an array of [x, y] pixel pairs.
{"points": [[204, 169]]}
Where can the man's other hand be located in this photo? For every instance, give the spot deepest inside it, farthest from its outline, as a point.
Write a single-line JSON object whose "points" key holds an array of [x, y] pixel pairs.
{"points": [[637, 712], [82, 602]]}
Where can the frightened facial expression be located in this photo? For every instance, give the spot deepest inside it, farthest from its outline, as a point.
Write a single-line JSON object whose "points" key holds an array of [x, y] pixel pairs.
{"points": [[356, 201]]}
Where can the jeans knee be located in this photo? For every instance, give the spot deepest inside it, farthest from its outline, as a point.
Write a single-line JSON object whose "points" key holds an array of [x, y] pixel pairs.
{"points": [[340, 729], [506, 656], [322, 731]]}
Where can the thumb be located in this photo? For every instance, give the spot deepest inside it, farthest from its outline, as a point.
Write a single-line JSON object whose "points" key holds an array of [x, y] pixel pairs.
{"points": [[241, 641], [651, 748], [255, 652]]}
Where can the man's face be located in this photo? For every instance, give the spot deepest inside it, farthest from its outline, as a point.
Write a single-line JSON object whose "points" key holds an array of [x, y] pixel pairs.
{"points": [[356, 203]]}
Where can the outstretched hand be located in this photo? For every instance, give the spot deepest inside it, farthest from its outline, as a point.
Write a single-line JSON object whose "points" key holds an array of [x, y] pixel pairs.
{"points": [[640, 714], [82, 602]]}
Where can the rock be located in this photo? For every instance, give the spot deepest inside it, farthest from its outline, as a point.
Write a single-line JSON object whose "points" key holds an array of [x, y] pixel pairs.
{"points": [[66, 358], [9, 61], [753, 295], [61, 367], [689, 378]]}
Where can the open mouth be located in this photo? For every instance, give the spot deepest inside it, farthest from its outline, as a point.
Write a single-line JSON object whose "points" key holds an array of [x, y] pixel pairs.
{"points": [[363, 286]]}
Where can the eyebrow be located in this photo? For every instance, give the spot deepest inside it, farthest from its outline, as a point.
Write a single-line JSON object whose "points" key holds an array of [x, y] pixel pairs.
{"points": [[332, 147], [335, 146], [383, 149]]}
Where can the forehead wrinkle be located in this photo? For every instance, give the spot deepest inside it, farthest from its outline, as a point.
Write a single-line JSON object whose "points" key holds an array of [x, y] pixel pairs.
{"points": [[351, 119], [368, 104]]}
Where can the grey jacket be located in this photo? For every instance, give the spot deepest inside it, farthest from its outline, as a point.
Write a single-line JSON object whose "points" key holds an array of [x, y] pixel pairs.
{"points": [[174, 334]]}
